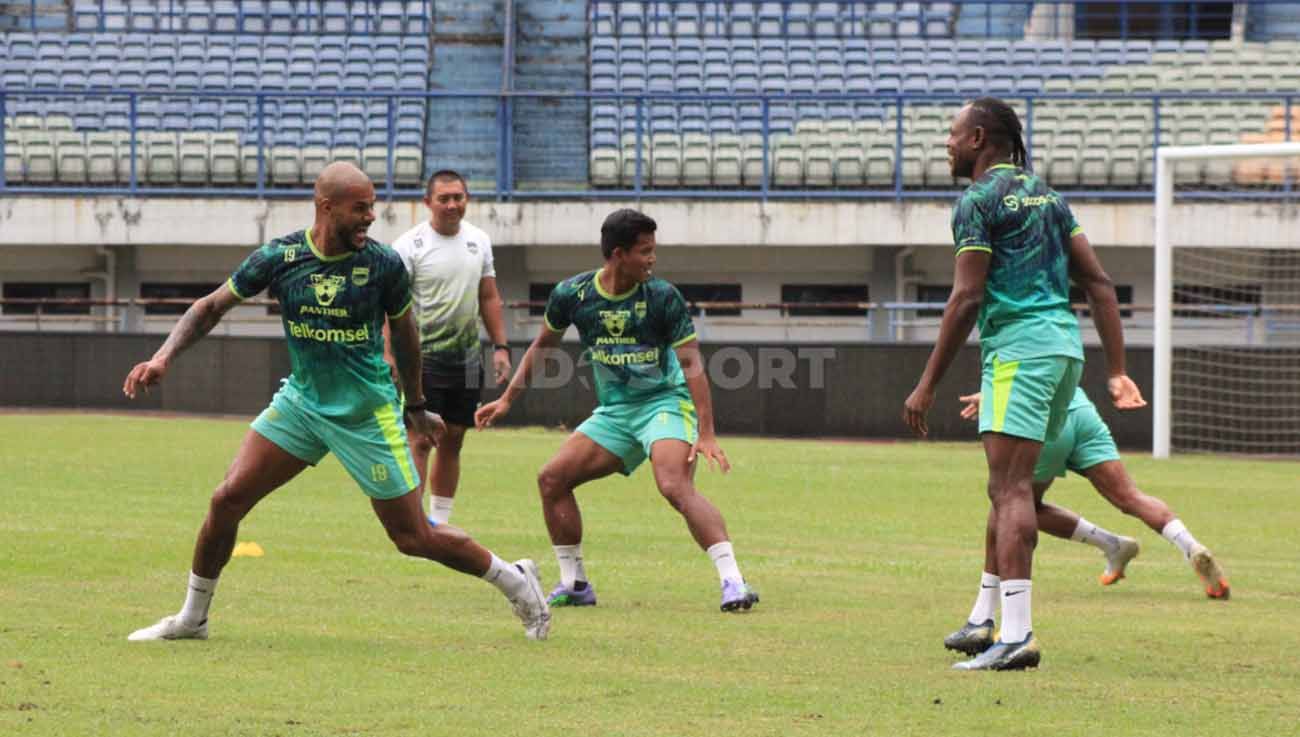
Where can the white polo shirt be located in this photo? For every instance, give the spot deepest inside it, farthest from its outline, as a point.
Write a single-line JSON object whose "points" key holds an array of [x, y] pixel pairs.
{"points": [[445, 275]]}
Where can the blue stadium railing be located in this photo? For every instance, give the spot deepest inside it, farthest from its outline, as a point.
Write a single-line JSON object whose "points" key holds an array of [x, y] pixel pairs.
{"points": [[985, 18], [507, 187]]}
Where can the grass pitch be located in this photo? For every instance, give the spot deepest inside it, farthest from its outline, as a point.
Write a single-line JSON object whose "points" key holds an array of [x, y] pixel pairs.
{"points": [[865, 555]]}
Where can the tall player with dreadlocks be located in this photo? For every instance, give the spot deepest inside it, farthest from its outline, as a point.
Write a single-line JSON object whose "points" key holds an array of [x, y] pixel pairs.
{"points": [[1017, 248]]}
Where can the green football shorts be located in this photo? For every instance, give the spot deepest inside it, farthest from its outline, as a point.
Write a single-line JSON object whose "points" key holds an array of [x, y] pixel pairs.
{"points": [[629, 430], [1028, 398], [1084, 442], [372, 449]]}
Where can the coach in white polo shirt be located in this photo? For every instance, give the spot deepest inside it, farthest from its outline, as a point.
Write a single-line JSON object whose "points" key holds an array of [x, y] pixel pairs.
{"points": [[454, 283]]}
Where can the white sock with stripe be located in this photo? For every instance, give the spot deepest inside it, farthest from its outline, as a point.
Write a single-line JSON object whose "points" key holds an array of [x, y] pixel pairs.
{"points": [[508, 579], [1098, 537], [198, 597], [725, 561], [440, 508], [986, 602], [1176, 532], [1016, 620], [571, 570]]}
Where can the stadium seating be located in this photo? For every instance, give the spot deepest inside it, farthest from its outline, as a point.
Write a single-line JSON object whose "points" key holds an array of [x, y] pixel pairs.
{"points": [[775, 19], [806, 48], [182, 136], [279, 17], [269, 56]]}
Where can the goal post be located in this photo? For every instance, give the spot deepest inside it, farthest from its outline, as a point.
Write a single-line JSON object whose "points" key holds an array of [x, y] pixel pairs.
{"points": [[1279, 187]]}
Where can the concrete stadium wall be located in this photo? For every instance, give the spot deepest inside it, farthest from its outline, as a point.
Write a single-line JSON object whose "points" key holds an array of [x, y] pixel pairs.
{"points": [[849, 391], [180, 221]]}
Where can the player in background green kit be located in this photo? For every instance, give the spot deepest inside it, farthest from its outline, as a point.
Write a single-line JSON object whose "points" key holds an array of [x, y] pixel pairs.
{"points": [[1086, 447], [654, 402], [336, 288], [1017, 249]]}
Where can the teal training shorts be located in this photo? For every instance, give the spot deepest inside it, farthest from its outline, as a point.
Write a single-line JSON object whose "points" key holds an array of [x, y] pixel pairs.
{"points": [[1084, 442], [629, 430], [372, 449], [1028, 398]]}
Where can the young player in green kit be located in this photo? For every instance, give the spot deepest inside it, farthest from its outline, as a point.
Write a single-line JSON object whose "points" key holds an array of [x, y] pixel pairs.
{"points": [[1017, 248], [654, 402], [336, 288]]}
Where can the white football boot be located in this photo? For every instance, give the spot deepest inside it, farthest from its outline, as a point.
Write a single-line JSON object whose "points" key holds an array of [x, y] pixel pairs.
{"points": [[171, 628]]}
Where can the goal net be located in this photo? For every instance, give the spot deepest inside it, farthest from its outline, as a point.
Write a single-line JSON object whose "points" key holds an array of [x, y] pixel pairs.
{"points": [[1227, 300]]}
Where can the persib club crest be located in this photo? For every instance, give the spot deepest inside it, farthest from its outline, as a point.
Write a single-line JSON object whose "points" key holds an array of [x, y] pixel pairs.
{"points": [[327, 287], [615, 321], [640, 309], [360, 275], [471, 246]]}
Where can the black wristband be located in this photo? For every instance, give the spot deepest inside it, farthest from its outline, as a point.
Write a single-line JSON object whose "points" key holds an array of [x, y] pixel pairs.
{"points": [[421, 407], [500, 347]]}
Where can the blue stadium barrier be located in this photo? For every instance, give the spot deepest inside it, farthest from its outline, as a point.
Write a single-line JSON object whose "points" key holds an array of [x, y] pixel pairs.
{"points": [[1264, 19], [660, 82], [147, 111]]}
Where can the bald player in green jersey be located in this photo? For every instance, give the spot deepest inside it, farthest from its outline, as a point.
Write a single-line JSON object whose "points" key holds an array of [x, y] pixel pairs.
{"points": [[654, 402], [336, 288], [1017, 249]]}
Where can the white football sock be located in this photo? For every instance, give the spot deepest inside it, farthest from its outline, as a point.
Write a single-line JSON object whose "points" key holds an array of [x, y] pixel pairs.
{"points": [[1016, 620], [725, 561], [570, 559], [198, 597], [1176, 533], [1098, 537], [440, 508], [508, 579], [986, 602]]}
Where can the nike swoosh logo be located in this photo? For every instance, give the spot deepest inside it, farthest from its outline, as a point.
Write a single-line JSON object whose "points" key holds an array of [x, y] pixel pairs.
{"points": [[1013, 593], [994, 586]]}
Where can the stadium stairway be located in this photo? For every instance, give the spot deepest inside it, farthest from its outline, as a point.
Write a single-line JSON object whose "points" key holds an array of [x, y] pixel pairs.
{"points": [[462, 131], [551, 135], [1273, 21]]}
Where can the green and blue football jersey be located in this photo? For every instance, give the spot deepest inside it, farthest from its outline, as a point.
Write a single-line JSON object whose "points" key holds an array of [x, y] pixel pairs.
{"points": [[1026, 227], [333, 310], [629, 337]]}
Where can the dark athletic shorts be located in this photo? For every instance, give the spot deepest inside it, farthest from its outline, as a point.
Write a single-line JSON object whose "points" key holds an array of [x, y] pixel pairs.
{"points": [[454, 399]]}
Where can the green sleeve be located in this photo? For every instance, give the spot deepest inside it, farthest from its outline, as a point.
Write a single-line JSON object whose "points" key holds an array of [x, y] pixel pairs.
{"points": [[255, 274], [677, 325], [559, 307], [396, 296], [971, 224], [1071, 227]]}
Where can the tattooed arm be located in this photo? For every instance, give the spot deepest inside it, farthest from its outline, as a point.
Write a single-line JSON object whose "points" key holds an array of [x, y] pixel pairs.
{"points": [[197, 322]]}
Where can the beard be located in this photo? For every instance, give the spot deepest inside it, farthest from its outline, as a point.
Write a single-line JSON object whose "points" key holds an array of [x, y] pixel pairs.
{"points": [[347, 236]]}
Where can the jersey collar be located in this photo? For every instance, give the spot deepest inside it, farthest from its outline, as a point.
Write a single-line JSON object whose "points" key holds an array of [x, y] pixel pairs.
{"points": [[321, 256], [612, 297]]}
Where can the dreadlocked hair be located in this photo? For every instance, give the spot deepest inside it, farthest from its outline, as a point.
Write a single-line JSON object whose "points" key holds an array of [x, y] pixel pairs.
{"points": [[1002, 123]]}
